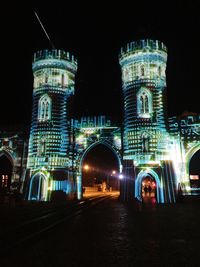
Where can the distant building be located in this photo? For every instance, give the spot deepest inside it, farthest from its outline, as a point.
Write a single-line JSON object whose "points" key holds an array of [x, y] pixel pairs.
{"points": [[13, 159], [153, 151]]}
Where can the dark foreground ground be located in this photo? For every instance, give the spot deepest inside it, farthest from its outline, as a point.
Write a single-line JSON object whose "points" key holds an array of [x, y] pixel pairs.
{"points": [[113, 234]]}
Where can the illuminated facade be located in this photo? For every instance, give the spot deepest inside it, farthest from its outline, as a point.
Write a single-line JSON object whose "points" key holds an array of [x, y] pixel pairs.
{"points": [[57, 143], [185, 131], [13, 160], [156, 149], [90, 132], [149, 149], [48, 155]]}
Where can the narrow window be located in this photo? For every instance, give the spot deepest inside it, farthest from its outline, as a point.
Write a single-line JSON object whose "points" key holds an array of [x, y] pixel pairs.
{"points": [[142, 70], [144, 103], [41, 147], [44, 108], [145, 143]]}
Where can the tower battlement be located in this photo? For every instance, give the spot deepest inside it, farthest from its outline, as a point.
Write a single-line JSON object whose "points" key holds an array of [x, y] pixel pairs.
{"points": [[54, 54], [54, 59], [142, 45]]}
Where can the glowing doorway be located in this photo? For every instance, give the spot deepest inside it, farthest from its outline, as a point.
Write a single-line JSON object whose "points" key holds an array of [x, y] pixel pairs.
{"points": [[6, 168], [194, 170], [38, 187]]}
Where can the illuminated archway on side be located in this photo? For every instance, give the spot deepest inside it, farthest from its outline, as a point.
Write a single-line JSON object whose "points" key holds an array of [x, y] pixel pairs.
{"points": [[38, 187], [138, 185], [188, 157], [6, 171]]}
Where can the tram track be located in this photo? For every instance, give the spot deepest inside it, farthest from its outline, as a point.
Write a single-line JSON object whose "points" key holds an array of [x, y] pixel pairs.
{"points": [[33, 228]]}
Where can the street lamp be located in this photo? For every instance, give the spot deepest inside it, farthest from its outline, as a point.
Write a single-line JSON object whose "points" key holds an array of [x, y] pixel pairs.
{"points": [[121, 176], [86, 167], [113, 172]]}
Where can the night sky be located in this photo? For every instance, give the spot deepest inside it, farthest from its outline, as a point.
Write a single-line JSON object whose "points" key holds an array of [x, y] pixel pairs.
{"points": [[94, 33]]}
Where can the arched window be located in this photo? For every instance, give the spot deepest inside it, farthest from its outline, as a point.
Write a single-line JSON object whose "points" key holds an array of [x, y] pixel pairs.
{"points": [[62, 80], [159, 71], [41, 147], [46, 78], [145, 142], [144, 103], [44, 108], [142, 70]]}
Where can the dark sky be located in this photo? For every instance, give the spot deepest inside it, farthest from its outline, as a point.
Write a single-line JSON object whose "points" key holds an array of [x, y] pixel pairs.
{"points": [[94, 33]]}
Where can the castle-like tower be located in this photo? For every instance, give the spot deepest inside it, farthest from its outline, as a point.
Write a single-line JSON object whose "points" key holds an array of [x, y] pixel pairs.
{"points": [[48, 155], [146, 141], [155, 154]]}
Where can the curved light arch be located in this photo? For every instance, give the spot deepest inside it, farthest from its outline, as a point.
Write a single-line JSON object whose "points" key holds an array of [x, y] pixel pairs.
{"points": [[96, 144], [138, 185], [44, 193], [82, 156], [8, 155], [12, 161], [190, 153]]}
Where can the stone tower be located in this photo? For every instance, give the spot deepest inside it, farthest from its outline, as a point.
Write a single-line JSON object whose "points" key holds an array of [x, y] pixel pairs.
{"points": [[48, 155], [146, 140]]}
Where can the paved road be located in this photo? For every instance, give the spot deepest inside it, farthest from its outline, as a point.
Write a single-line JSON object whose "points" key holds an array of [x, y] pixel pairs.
{"points": [[117, 234]]}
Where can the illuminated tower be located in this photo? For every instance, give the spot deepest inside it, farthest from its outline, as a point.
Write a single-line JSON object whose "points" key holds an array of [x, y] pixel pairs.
{"points": [[146, 139], [54, 73]]}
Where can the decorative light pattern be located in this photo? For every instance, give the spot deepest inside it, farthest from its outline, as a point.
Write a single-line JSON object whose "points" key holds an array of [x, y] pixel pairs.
{"points": [[153, 145], [54, 74], [149, 146]]}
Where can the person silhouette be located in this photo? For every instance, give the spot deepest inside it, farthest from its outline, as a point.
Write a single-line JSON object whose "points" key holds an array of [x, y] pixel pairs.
{"points": [[149, 189]]}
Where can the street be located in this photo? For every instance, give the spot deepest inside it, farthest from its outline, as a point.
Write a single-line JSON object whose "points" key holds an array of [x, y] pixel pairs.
{"points": [[112, 233]]}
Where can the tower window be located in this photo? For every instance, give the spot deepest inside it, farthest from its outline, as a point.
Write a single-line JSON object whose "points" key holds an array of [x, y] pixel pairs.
{"points": [[41, 147], [159, 71], [144, 103], [44, 108], [46, 78], [142, 70], [145, 143]]}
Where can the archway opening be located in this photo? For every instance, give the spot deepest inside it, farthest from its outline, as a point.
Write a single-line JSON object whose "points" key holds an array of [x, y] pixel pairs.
{"points": [[194, 170], [6, 169], [100, 169], [149, 188], [38, 188]]}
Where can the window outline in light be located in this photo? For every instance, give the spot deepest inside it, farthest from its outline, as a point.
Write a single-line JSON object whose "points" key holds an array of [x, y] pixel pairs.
{"points": [[44, 108], [145, 142], [144, 103]]}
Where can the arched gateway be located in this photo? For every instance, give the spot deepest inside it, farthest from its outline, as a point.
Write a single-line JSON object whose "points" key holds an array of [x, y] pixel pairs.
{"points": [[155, 184], [156, 150], [91, 132]]}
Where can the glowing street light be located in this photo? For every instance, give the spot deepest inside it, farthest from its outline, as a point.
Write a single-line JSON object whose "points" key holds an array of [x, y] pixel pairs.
{"points": [[121, 176], [86, 167]]}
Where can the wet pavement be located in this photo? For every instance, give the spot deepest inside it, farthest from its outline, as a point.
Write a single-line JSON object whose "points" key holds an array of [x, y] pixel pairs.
{"points": [[113, 233]]}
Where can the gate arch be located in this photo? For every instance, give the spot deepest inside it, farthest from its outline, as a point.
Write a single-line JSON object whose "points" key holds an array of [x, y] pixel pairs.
{"points": [[108, 145], [82, 155], [138, 185], [188, 157], [6, 176], [38, 187]]}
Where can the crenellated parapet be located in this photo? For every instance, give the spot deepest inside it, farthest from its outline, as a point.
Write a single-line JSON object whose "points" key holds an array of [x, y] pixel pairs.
{"points": [[146, 45], [186, 127], [143, 60], [54, 57], [54, 69], [92, 122]]}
